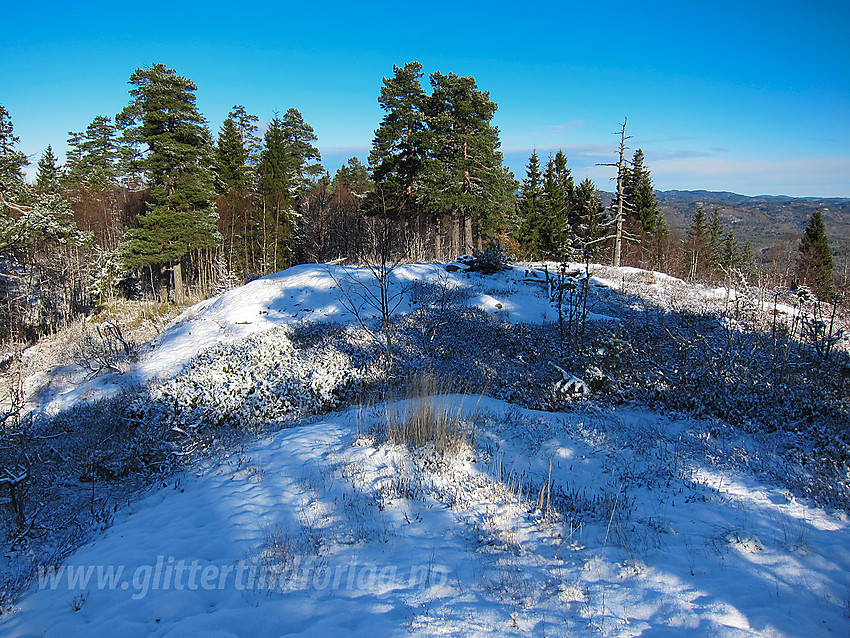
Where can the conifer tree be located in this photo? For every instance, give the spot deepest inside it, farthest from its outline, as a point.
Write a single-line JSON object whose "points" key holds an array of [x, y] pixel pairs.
{"points": [[640, 195], [47, 177], [35, 229], [716, 237], [698, 244], [162, 116], [12, 161], [530, 207], [748, 260], [400, 144], [646, 219], [814, 262], [236, 156], [94, 156], [354, 177], [558, 215], [464, 177], [590, 217], [288, 160], [730, 256]]}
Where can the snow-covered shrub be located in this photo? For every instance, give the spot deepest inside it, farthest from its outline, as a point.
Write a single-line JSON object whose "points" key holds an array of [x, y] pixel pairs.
{"points": [[260, 379], [491, 260]]}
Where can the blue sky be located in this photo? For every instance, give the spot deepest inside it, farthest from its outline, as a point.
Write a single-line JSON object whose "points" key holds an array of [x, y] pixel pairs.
{"points": [[751, 97]]}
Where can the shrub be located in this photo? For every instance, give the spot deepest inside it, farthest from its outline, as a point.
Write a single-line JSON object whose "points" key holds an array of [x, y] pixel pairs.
{"points": [[491, 260]]}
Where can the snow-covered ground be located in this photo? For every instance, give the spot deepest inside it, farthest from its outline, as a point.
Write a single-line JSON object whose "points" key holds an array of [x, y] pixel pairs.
{"points": [[598, 521]]}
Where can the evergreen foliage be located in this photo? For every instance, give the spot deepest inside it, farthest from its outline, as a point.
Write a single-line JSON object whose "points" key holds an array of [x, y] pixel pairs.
{"points": [[559, 217], [590, 215], [640, 195], [463, 177], [401, 143], [354, 177], [814, 262], [530, 207], [12, 161], [288, 160], [698, 244], [491, 260], [95, 157], [236, 151], [163, 117], [47, 177]]}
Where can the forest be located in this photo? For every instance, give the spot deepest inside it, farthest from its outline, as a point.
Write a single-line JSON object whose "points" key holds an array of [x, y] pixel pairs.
{"points": [[149, 203]]}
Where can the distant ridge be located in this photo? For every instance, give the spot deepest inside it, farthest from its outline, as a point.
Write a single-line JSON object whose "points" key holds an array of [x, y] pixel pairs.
{"points": [[773, 224], [727, 197]]}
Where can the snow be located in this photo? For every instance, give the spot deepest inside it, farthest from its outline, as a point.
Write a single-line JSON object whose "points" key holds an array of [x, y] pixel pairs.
{"points": [[382, 541], [601, 521]]}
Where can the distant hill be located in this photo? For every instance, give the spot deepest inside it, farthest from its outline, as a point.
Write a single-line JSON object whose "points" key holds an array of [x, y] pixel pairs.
{"points": [[765, 220]]}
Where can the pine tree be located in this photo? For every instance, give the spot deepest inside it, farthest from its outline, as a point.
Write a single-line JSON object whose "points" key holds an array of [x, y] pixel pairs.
{"points": [[814, 262], [400, 145], [181, 217], [464, 177], [12, 161], [47, 177], [354, 177]]}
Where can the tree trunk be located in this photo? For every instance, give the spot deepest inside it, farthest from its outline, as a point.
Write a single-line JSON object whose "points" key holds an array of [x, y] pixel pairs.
{"points": [[177, 280]]}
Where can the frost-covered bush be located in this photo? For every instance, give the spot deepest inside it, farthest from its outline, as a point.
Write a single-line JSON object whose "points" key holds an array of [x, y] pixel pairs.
{"points": [[260, 379]]}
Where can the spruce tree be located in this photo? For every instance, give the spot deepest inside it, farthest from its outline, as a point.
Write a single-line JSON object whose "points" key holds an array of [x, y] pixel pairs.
{"points": [[162, 116], [590, 217], [640, 195], [716, 237], [698, 244], [288, 161], [236, 156], [730, 256], [558, 215], [530, 207], [47, 177], [12, 161], [646, 219], [814, 262], [235, 151]]}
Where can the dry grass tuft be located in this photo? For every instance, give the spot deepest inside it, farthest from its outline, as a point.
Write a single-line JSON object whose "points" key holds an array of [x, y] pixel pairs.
{"points": [[425, 419]]}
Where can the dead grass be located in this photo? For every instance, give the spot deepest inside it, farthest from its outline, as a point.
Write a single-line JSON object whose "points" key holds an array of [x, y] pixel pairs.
{"points": [[425, 418]]}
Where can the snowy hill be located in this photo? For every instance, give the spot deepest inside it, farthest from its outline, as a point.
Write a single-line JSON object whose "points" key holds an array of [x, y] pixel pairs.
{"points": [[582, 496]]}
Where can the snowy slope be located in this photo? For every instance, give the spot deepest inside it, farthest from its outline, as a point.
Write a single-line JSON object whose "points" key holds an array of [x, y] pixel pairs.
{"points": [[364, 539], [600, 521]]}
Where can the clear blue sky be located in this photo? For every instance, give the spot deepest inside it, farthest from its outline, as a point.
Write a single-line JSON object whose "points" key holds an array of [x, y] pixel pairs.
{"points": [[751, 97]]}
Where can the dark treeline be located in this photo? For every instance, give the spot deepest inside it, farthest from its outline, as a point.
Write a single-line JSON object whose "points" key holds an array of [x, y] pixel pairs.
{"points": [[151, 203]]}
